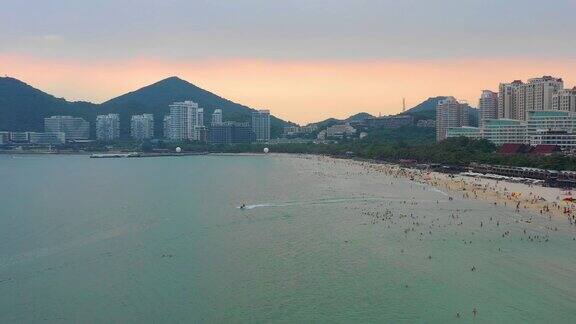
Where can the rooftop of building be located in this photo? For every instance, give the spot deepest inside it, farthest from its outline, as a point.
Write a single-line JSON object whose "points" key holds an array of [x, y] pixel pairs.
{"points": [[464, 129], [544, 149], [502, 122], [548, 113], [511, 148]]}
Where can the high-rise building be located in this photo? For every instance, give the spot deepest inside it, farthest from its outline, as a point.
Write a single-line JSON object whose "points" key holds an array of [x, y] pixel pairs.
{"points": [[488, 106], [543, 127], [261, 125], [231, 133], [199, 121], [75, 128], [216, 117], [142, 126], [537, 95], [166, 126], [507, 97], [186, 121], [107, 127], [516, 99], [449, 113], [564, 100]]}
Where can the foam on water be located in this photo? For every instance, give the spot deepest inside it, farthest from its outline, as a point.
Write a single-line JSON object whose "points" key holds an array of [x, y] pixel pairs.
{"points": [[439, 191]]}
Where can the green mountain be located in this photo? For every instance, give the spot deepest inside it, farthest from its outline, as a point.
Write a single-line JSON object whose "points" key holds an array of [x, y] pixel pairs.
{"points": [[427, 110], [23, 108], [333, 121], [358, 117], [155, 98], [425, 106]]}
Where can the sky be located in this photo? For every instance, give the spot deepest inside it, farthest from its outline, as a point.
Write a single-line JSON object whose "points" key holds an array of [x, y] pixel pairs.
{"points": [[306, 60]]}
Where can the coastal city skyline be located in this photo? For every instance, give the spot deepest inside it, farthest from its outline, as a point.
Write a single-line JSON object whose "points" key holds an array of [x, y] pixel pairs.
{"points": [[306, 65], [540, 111], [296, 161]]}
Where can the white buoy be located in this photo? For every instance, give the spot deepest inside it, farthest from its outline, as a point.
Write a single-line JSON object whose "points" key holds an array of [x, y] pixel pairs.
{"points": [[178, 149], [266, 150]]}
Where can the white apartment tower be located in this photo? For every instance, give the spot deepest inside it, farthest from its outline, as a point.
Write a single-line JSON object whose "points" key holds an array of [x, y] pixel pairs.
{"points": [[507, 93], [186, 121], [166, 126], [216, 117], [538, 93], [261, 125], [516, 99], [142, 126], [107, 127], [488, 106], [449, 113], [565, 100]]}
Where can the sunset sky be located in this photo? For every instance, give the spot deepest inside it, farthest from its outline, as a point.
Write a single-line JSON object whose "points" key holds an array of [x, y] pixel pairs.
{"points": [[305, 60]]}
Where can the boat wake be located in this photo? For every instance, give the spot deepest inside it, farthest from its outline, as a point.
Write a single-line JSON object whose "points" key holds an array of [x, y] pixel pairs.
{"points": [[322, 202], [258, 206]]}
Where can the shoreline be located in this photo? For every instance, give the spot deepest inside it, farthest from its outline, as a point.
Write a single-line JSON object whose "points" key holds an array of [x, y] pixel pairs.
{"points": [[543, 201]]}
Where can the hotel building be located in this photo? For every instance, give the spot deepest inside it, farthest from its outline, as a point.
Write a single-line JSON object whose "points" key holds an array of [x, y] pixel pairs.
{"points": [[261, 125], [564, 100], [487, 106], [186, 121], [75, 128], [108, 127], [142, 126], [517, 98], [550, 127], [216, 117], [464, 131], [52, 138], [503, 131], [449, 113], [227, 133]]}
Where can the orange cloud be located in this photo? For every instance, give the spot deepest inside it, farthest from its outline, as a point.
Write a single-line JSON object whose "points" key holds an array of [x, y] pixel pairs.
{"points": [[298, 90]]}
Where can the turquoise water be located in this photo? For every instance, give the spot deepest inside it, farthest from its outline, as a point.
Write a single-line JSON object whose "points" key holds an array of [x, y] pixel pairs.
{"points": [[162, 240]]}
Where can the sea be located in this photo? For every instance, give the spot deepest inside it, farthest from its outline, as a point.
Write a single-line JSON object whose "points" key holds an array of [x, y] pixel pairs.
{"points": [[163, 240]]}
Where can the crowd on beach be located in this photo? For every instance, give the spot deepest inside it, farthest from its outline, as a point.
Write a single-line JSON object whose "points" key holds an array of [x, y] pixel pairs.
{"points": [[557, 203], [421, 225], [551, 202]]}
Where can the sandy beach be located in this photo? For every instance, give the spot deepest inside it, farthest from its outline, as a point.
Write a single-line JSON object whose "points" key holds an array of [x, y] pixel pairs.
{"points": [[546, 201]]}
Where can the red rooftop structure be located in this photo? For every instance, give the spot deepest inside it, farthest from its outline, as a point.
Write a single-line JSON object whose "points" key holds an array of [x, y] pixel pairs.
{"points": [[545, 149], [511, 148]]}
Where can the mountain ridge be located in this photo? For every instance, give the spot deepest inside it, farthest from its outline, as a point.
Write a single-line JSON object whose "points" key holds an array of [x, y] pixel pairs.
{"points": [[427, 110], [24, 107]]}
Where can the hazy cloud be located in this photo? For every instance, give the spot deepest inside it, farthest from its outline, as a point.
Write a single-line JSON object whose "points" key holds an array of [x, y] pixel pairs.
{"points": [[333, 29]]}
